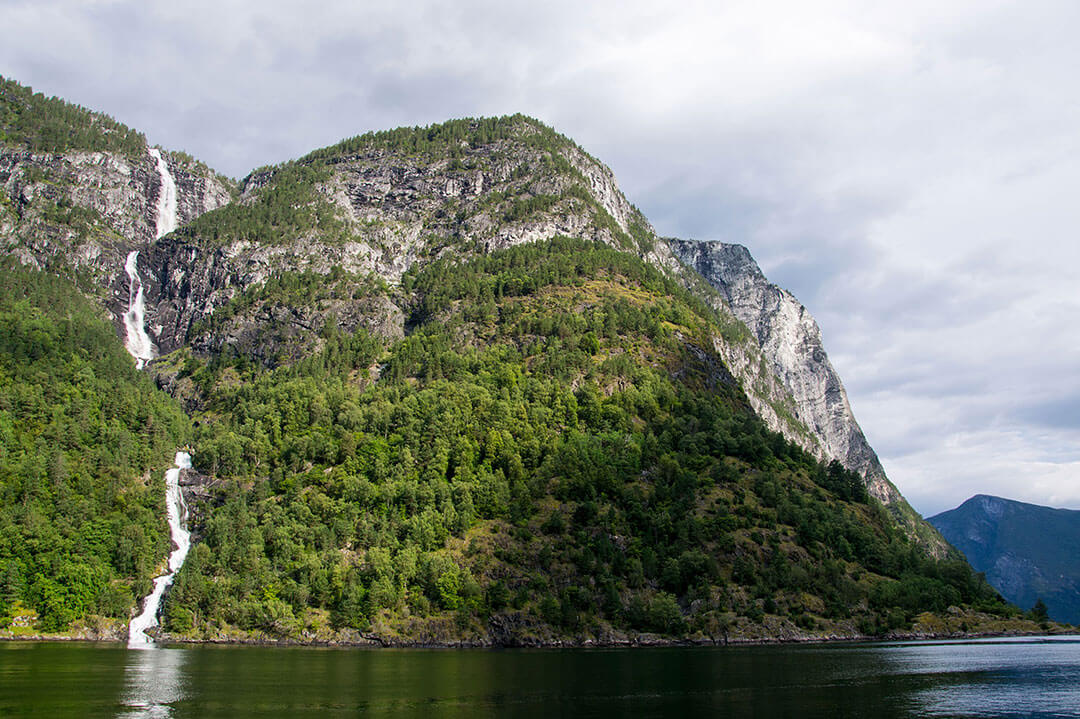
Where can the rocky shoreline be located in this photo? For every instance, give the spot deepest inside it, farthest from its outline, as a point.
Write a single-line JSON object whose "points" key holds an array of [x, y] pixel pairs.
{"points": [[1023, 628]]}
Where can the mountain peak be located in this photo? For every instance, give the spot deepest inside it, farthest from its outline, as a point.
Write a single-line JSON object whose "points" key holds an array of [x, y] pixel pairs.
{"points": [[450, 138], [1026, 550]]}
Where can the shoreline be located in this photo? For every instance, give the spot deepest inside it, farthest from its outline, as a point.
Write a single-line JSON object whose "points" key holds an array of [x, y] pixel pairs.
{"points": [[641, 641]]}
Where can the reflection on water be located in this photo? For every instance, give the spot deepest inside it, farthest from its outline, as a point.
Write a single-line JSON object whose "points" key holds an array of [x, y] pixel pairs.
{"points": [[153, 682], [1028, 678], [994, 678]]}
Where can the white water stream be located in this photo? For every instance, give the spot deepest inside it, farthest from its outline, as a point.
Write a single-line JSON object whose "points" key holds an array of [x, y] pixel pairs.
{"points": [[142, 349], [139, 345], [166, 203], [177, 512]]}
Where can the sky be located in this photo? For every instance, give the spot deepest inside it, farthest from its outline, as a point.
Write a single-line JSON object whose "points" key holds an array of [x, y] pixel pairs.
{"points": [[909, 170]]}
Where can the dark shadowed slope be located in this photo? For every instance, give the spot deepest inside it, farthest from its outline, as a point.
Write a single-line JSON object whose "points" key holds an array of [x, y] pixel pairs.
{"points": [[1028, 552]]}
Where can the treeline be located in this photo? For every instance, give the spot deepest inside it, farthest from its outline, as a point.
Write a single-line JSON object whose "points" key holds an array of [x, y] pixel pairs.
{"points": [[448, 139], [287, 209], [81, 521], [49, 124], [574, 457]]}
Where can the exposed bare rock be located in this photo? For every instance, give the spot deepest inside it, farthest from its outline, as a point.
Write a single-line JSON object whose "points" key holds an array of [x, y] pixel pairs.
{"points": [[80, 213], [397, 210], [791, 344], [791, 341]]}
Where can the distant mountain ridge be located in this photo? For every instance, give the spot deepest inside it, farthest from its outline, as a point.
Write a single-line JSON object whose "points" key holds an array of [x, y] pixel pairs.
{"points": [[1028, 552]]}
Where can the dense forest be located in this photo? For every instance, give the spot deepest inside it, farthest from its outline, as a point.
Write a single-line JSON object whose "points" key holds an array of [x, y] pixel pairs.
{"points": [[554, 448], [81, 530]]}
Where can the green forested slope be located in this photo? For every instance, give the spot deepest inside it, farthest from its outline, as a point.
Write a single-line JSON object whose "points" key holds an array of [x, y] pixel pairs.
{"points": [[82, 524], [555, 451], [49, 124]]}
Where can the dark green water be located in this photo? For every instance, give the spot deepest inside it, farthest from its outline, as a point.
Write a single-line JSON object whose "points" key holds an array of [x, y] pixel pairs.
{"points": [[985, 678]]}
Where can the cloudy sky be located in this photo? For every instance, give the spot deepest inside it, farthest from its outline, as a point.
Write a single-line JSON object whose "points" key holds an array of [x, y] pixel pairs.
{"points": [[910, 170]]}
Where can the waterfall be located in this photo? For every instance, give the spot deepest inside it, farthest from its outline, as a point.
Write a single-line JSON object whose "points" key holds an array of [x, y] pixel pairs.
{"points": [[166, 203], [177, 513], [142, 349], [138, 342]]}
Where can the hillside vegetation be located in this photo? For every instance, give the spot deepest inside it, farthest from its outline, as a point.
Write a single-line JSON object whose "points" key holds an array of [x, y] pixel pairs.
{"points": [[81, 528], [552, 453], [48, 124], [441, 385]]}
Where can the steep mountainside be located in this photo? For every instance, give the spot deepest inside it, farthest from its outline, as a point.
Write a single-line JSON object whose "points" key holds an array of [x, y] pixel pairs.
{"points": [[791, 342], [1028, 552], [376, 205], [346, 222], [446, 384], [78, 191]]}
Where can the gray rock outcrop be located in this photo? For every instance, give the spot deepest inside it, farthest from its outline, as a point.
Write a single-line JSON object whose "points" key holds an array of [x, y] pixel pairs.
{"points": [[80, 213], [790, 341]]}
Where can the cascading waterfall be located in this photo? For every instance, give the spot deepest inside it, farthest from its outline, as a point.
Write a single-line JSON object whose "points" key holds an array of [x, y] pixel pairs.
{"points": [[142, 349], [139, 345], [166, 203], [177, 513]]}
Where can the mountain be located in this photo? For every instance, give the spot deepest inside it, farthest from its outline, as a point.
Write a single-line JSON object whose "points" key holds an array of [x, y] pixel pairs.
{"points": [[446, 384], [1027, 552]]}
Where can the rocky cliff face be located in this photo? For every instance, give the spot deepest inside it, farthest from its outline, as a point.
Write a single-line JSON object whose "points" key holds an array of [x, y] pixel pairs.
{"points": [[80, 213], [210, 298], [791, 344]]}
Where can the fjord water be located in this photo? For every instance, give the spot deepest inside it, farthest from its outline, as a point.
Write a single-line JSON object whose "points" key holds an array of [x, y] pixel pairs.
{"points": [[991, 678]]}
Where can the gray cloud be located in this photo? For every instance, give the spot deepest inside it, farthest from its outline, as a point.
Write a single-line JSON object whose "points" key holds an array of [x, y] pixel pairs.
{"points": [[908, 169]]}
